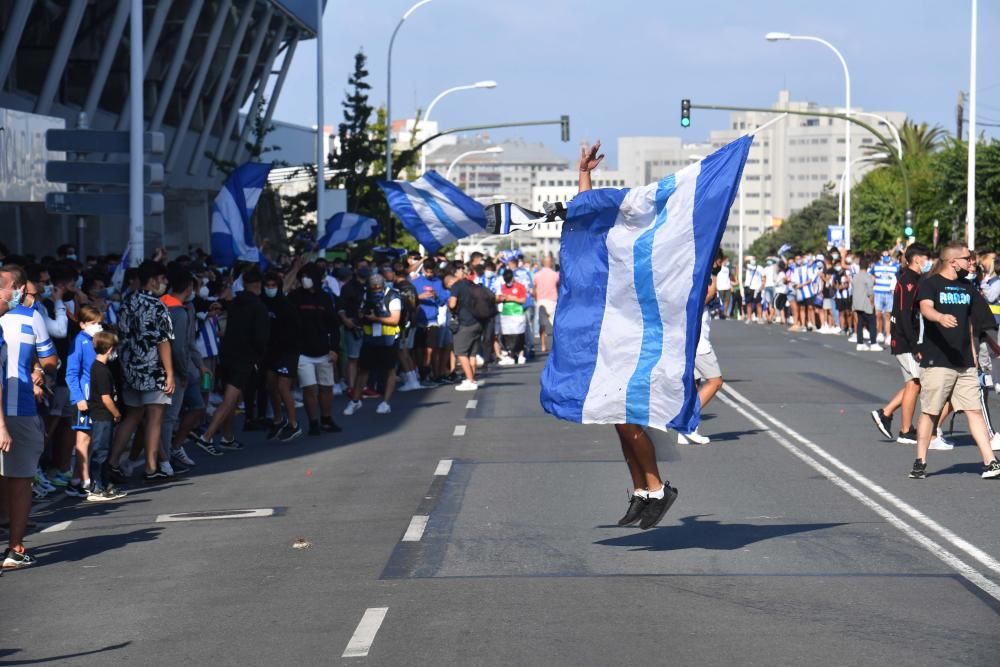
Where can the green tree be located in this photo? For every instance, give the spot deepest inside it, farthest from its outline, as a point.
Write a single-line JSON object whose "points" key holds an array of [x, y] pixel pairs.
{"points": [[804, 230], [919, 141]]}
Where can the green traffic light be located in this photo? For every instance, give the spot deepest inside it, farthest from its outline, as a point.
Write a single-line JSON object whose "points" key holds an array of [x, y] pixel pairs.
{"points": [[908, 231], [685, 122]]}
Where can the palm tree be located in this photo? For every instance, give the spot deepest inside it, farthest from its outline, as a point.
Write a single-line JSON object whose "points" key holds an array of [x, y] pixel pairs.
{"points": [[918, 141]]}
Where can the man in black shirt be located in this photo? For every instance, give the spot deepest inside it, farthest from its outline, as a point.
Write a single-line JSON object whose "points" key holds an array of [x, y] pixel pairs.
{"points": [[904, 345], [466, 340], [947, 358]]}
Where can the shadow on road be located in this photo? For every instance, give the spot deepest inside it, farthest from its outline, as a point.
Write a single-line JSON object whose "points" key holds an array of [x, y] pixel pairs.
{"points": [[55, 658], [693, 533], [86, 547], [958, 469]]}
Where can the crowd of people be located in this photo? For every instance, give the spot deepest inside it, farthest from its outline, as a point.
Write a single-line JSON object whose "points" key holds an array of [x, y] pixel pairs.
{"points": [[937, 312], [112, 373]]}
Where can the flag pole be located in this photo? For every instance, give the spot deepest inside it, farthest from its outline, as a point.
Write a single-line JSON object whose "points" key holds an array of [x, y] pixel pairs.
{"points": [[320, 127]]}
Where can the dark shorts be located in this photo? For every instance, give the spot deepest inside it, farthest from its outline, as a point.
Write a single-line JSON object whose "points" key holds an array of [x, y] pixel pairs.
{"points": [[751, 297], [237, 375], [466, 339], [283, 366], [843, 304], [780, 301], [379, 357], [804, 302]]}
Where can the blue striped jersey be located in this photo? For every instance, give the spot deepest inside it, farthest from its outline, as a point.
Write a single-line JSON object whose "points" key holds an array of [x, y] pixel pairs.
{"points": [[803, 274], [24, 337], [885, 276], [207, 340]]}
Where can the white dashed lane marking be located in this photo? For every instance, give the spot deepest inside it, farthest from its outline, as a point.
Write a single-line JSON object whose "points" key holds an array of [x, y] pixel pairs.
{"points": [[416, 528], [444, 467], [459, 430], [364, 635], [471, 405]]}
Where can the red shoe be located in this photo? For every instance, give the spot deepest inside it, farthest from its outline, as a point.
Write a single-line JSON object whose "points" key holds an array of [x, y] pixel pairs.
{"points": [[368, 393]]}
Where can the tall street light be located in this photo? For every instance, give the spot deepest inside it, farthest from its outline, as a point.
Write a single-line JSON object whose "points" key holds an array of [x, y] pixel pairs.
{"points": [[430, 107], [491, 150], [388, 90], [970, 206], [784, 36]]}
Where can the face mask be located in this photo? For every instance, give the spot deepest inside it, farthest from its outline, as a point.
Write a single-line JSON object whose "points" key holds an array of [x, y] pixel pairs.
{"points": [[203, 292], [46, 292], [962, 274], [271, 292], [71, 257], [160, 289], [16, 296], [885, 258], [926, 267], [835, 256], [92, 328], [307, 282]]}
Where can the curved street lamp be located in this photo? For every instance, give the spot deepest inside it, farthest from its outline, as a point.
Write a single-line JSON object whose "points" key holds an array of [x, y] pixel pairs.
{"points": [[491, 150], [784, 36], [388, 90], [427, 115]]}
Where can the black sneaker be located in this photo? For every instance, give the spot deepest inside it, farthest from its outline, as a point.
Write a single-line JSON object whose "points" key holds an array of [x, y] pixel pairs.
{"points": [[330, 426], [110, 492], [77, 490], [206, 446], [920, 470], [156, 477], [656, 507], [882, 423], [13, 560], [276, 428], [991, 469], [908, 438], [116, 475], [636, 505], [233, 445], [288, 433], [314, 428]]}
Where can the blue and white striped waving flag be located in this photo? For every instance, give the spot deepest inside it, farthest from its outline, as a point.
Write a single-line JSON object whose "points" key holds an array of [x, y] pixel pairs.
{"points": [[118, 277], [635, 267], [434, 210], [232, 235], [347, 227]]}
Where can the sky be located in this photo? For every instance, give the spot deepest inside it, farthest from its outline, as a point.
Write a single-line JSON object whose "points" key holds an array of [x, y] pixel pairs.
{"points": [[620, 68]]}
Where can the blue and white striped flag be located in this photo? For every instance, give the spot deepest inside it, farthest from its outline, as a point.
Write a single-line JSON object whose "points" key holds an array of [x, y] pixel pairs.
{"points": [[118, 277], [345, 228], [434, 210], [232, 235], [635, 267]]}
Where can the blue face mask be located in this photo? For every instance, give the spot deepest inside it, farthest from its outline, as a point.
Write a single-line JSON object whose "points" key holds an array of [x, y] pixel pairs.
{"points": [[926, 266], [46, 292]]}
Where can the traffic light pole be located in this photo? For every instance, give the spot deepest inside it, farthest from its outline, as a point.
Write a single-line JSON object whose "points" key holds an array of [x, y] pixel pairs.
{"points": [[850, 119]]}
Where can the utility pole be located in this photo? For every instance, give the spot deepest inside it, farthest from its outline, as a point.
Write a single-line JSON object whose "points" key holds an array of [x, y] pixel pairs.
{"points": [[960, 115]]}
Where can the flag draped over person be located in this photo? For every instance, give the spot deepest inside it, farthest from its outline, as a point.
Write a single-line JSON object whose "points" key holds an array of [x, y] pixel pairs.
{"points": [[434, 210], [635, 267], [347, 227], [232, 235]]}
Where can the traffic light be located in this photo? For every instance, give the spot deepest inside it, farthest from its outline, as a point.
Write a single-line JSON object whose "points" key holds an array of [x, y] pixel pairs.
{"points": [[564, 123], [685, 113], [908, 229]]}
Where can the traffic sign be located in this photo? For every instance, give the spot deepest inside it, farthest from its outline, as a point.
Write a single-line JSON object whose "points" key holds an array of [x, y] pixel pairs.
{"points": [[100, 203], [100, 173], [101, 141]]}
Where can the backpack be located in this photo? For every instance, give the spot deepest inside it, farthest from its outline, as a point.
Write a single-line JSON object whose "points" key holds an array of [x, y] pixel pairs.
{"points": [[482, 303]]}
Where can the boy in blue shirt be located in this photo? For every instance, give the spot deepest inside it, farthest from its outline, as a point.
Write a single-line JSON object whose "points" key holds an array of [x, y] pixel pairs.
{"points": [[78, 380]]}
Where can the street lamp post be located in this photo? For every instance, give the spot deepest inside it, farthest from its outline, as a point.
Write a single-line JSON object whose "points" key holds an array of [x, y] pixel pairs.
{"points": [[430, 107], [840, 188], [491, 150], [970, 206], [388, 90], [782, 36]]}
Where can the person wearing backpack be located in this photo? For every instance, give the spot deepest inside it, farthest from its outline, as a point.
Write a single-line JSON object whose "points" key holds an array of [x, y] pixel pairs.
{"points": [[466, 300], [380, 314]]}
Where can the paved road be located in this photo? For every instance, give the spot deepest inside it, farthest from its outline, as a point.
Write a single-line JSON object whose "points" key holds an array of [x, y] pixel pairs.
{"points": [[796, 539]]}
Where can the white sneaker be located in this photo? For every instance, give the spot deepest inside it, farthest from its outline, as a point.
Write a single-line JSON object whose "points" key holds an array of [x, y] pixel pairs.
{"points": [[874, 347], [182, 456], [465, 385], [352, 407], [692, 438], [166, 468], [383, 408], [941, 444], [880, 338], [506, 361], [995, 442], [862, 347], [520, 359], [410, 385], [480, 361]]}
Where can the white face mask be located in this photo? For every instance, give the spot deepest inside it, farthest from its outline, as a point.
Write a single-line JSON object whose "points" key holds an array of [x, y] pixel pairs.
{"points": [[93, 328], [203, 292], [16, 296], [271, 292], [307, 282], [926, 267]]}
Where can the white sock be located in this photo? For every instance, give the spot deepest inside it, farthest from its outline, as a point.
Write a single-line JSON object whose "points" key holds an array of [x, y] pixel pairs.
{"points": [[656, 494], [642, 493]]}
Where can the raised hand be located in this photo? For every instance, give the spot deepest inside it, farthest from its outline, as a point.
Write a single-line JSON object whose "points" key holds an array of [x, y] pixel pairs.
{"points": [[589, 157]]}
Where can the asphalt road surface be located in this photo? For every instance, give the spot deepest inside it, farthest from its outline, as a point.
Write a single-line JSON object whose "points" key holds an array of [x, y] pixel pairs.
{"points": [[472, 529]]}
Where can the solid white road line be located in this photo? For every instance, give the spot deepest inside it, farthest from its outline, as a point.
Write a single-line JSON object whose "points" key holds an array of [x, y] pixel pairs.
{"points": [[444, 467], [459, 430], [232, 514], [742, 405], [471, 405], [416, 528], [56, 527], [882, 361], [364, 635]]}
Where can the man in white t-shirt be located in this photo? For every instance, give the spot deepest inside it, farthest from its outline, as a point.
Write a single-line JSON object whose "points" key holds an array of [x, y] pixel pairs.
{"points": [[753, 282], [725, 286]]}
